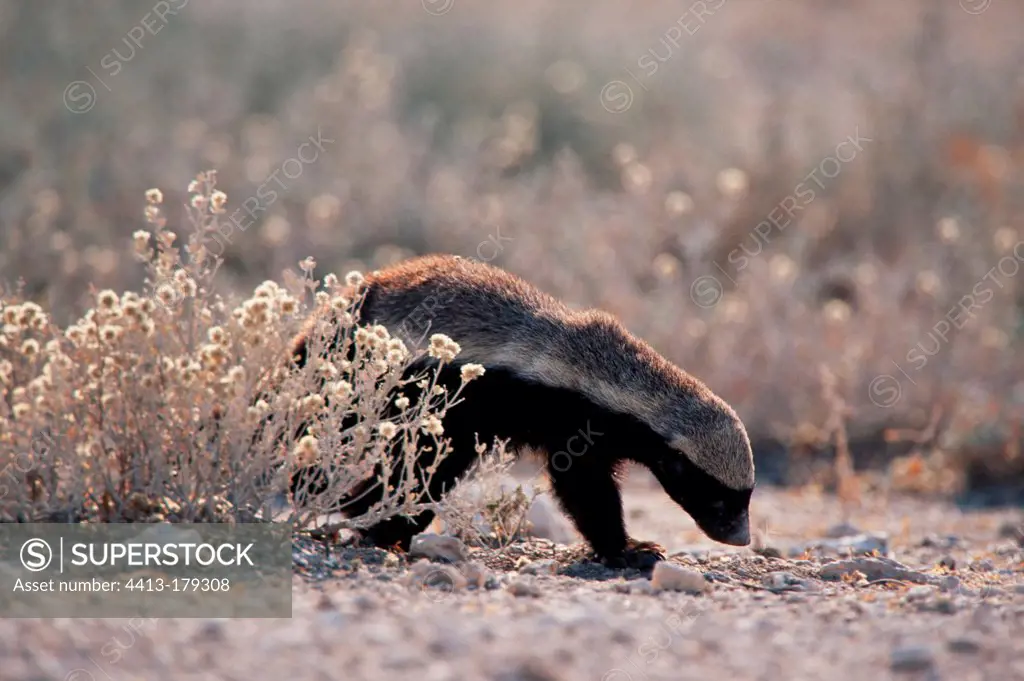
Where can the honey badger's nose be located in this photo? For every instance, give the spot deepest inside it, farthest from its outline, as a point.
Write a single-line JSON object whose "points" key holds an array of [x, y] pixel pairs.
{"points": [[734, 533], [740, 536]]}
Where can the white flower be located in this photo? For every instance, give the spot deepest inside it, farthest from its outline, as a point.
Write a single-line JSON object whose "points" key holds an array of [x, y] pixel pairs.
{"points": [[432, 426]]}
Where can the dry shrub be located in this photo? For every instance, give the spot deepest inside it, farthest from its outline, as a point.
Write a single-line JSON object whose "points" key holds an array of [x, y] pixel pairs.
{"points": [[485, 508], [173, 404]]}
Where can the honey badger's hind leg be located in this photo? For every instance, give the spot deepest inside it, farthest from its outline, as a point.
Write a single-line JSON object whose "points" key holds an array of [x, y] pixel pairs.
{"points": [[398, 531], [462, 423]]}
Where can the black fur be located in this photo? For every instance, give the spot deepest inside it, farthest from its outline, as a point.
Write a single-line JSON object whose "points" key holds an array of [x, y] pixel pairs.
{"points": [[585, 447]]}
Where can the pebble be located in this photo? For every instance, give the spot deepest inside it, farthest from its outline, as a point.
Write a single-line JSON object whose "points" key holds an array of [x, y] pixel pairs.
{"points": [[873, 568], [438, 547], [635, 586], [540, 567], [716, 576], [911, 658], [784, 581], [919, 593], [519, 588], [963, 644], [425, 574], [670, 577], [476, 574], [985, 565], [949, 583]]}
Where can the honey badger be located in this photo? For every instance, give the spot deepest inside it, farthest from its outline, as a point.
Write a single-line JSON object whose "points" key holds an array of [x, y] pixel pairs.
{"points": [[559, 382]]}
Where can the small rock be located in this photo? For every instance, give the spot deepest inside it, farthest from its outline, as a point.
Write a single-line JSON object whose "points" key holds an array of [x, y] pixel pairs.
{"points": [[857, 544], [438, 547], [949, 583], [476, 574], [778, 582], [391, 560], [670, 577], [948, 562], [425, 574], [636, 586], [520, 588], [963, 644], [911, 658], [985, 565], [540, 567], [872, 569], [767, 552], [919, 593]]}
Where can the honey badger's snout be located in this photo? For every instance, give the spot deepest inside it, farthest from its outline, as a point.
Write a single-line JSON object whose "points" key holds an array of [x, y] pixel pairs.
{"points": [[735, 532], [726, 520]]}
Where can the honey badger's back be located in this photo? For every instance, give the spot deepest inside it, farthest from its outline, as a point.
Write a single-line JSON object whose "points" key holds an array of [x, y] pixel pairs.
{"points": [[490, 313], [499, 320]]}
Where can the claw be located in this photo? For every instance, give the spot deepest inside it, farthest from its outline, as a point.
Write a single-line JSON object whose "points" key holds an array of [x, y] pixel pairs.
{"points": [[641, 555]]}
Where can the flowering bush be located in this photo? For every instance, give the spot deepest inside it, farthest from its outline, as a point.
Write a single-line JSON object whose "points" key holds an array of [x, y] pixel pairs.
{"points": [[156, 405]]}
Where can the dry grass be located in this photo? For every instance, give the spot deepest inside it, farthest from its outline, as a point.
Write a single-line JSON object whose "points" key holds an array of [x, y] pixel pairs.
{"points": [[484, 132]]}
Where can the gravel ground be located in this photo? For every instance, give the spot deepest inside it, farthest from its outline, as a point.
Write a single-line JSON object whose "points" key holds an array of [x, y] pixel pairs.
{"points": [[907, 589]]}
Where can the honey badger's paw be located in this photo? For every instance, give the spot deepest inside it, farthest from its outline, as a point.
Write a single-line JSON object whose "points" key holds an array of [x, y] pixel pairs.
{"points": [[638, 554]]}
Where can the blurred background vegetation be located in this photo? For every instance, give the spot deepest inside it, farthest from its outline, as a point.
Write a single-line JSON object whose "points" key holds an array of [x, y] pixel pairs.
{"points": [[628, 154]]}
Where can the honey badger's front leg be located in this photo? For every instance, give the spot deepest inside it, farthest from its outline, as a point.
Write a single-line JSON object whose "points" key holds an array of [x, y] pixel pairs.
{"points": [[589, 493]]}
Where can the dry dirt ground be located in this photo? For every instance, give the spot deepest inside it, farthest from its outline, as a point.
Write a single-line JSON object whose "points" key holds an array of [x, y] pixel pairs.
{"points": [[957, 613]]}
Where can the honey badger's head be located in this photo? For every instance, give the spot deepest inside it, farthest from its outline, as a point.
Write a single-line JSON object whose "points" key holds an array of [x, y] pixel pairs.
{"points": [[707, 467]]}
